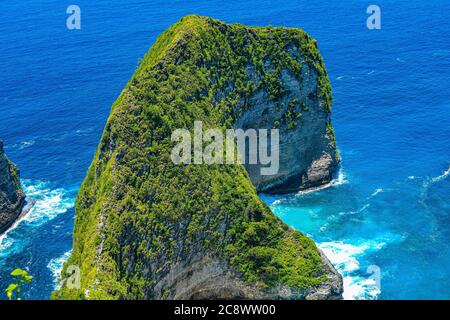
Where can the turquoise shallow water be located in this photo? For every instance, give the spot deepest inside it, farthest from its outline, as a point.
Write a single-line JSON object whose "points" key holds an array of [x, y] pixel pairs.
{"points": [[386, 213], [388, 242]]}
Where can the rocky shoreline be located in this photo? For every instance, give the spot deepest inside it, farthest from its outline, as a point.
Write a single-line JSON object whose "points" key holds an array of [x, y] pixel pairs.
{"points": [[12, 199]]}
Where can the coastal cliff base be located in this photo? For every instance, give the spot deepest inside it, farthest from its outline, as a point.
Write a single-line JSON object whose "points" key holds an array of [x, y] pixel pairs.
{"points": [[12, 198]]}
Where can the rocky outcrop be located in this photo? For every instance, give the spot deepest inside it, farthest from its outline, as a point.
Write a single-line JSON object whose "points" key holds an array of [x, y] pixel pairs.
{"points": [[148, 228], [307, 151], [210, 277], [12, 198]]}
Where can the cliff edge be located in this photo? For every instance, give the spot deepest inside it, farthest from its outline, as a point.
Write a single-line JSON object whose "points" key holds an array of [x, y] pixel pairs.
{"points": [[147, 228], [12, 198]]}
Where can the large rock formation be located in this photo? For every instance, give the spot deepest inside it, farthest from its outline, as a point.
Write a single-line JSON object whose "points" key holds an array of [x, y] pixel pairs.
{"points": [[12, 199], [147, 228], [308, 155]]}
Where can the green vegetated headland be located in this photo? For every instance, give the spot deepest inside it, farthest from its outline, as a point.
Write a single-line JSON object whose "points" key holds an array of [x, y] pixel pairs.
{"points": [[138, 215]]}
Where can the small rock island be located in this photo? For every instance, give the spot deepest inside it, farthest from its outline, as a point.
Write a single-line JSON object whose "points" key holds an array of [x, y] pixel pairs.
{"points": [[12, 198], [146, 228]]}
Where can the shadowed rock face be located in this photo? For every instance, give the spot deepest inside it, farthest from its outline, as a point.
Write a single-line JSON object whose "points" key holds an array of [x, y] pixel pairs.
{"points": [[307, 152], [147, 228], [12, 198], [210, 277]]}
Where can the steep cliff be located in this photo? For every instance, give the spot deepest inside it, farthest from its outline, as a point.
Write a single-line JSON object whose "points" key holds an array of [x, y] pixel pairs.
{"points": [[12, 199], [147, 228]]}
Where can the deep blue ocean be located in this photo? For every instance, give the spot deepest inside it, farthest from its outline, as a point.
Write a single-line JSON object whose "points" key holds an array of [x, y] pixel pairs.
{"points": [[387, 211]]}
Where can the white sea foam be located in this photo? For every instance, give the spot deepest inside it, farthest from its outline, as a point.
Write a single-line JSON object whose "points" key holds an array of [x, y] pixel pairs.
{"points": [[442, 176], [364, 207], [26, 144], [376, 192], [427, 183], [55, 265], [346, 259], [360, 288], [4, 243], [341, 179], [47, 204]]}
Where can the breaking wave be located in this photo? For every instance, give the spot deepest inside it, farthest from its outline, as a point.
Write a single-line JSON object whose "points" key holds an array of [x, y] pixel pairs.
{"points": [[55, 266], [46, 204], [441, 177], [358, 284]]}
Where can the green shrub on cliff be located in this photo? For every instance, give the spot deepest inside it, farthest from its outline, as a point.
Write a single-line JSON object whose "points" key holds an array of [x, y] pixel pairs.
{"points": [[138, 214], [14, 290]]}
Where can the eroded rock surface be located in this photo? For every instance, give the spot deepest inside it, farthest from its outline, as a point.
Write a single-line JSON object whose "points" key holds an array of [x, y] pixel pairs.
{"points": [[12, 198], [307, 151]]}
